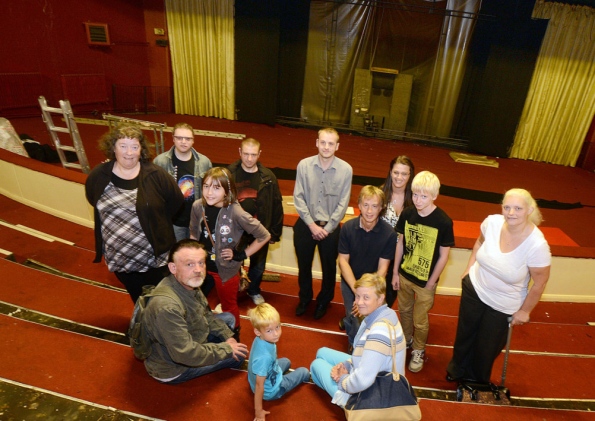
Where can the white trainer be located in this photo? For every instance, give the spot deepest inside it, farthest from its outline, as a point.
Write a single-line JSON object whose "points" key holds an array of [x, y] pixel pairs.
{"points": [[258, 299], [417, 360]]}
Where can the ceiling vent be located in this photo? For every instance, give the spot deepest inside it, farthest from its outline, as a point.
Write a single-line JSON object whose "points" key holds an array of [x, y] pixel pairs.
{"points": [[97, 33]]}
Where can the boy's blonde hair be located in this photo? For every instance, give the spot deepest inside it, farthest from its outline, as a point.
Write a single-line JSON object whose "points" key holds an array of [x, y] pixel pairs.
{"points": [[263, 315], [368, 192], [426, 182]]}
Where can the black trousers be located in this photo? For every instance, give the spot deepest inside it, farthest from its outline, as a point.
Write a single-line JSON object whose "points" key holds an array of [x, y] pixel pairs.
{"points": [[391, 294], [481, 335], [305, 246], [134, 281]]}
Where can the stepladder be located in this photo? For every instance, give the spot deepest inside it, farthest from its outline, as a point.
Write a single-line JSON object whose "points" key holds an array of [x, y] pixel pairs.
{"points": [[62, 144]]}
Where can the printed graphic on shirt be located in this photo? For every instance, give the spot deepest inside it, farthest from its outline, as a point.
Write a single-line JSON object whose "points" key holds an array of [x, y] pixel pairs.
{"points": [[186, 184], [247, 187], [246, 192], [205, 235], [420, 241], [272, 374]]}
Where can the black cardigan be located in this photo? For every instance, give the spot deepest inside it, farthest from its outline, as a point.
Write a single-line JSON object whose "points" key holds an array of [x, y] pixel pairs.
{"points": [[158, 200]]}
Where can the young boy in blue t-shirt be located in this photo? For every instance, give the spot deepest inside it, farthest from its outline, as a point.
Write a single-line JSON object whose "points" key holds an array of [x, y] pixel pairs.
{"points": [[265, 371]]}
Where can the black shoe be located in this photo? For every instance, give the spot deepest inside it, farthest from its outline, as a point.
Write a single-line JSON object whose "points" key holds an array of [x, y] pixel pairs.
{"points": [[341, 325], [320, 311], [301, 308]]}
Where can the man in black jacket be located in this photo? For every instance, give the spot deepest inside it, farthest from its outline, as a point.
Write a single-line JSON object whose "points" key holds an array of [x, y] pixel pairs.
{"points": [[259, 195]]}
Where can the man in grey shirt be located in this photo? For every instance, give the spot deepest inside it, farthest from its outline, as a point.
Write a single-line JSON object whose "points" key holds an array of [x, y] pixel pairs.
{"points": [[321, 196]]}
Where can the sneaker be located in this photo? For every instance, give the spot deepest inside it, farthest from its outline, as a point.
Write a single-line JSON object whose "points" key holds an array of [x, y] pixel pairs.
{"points": [[417, 360], [257, 298], [409, 343]]}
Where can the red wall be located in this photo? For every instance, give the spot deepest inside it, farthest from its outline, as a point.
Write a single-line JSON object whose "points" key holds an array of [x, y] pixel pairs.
{"points": [[48, 37], [586, 159]]}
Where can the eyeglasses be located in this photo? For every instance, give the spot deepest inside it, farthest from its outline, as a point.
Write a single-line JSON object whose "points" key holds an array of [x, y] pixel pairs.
{"points": [[181, 138]]}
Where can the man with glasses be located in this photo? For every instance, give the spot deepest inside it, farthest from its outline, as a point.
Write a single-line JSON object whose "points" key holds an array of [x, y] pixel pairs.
{"points": [[259, 195], [188, 168]]}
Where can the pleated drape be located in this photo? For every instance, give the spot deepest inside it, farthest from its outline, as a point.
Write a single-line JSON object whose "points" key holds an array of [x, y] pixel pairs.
{"points": [[560, 104], [449, 69], [201, 35]]}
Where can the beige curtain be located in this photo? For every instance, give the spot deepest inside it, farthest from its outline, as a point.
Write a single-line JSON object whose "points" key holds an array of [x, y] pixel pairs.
{"points": [[561, 101], [201, 36]]}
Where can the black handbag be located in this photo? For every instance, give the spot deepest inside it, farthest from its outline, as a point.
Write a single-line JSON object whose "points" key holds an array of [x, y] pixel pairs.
{"points": [[390, 397]]}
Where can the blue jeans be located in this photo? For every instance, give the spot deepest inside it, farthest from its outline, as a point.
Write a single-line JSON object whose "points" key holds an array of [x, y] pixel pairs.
{"points": [[290, 380], [193, 372], [258, 262], [320, 368], [350, 321], [181, 232]]}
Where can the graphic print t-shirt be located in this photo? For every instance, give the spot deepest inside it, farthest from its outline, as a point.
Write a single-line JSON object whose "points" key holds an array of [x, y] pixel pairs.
{"points": [[422, 239], [247, 185], [185, 180], [211, 213]]}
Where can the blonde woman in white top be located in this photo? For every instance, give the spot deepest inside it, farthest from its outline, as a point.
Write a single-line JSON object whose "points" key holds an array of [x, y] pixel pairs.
{"points": [[509, 252]]}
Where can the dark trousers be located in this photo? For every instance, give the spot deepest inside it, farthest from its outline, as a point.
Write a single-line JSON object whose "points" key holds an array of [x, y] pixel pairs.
{"points": [[305, 246], [134, 281], [391, 294], [258, 262], [481, 335]]}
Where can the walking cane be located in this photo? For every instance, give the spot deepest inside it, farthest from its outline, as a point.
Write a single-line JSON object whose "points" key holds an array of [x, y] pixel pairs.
{"points": [[505, 367]]}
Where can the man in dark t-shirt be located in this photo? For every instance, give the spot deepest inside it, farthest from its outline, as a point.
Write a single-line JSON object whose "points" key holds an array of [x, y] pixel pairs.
{"points": [[188, 168], [259, 195]]}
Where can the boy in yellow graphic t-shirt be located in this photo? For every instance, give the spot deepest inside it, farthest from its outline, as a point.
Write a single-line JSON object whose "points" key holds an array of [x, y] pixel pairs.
{"points": [[425, 238]]}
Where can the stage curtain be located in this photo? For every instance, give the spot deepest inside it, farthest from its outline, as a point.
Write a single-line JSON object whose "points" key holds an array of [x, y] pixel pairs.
{"points": [[436, 117], [201, 37], [414, 37], [338, 36], [561, 100]]}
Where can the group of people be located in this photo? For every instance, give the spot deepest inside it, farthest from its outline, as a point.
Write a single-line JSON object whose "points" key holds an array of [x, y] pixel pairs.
{"points": [[183, 225]]}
